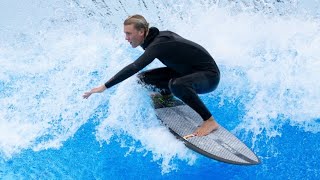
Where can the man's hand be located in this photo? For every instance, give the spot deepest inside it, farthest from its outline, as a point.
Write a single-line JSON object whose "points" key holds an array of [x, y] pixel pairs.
{"points": [[94, 90]]}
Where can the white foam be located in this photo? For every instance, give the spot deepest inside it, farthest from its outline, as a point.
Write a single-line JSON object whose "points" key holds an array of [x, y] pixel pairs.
{"points": [[269, 65], [44, 75]]}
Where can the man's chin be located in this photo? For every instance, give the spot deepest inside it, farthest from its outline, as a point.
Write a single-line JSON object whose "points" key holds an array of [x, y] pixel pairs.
{"points": [[134, 46]]}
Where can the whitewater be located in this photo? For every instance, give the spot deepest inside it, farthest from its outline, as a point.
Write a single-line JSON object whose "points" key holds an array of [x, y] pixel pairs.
{"points": [[52, 52]]}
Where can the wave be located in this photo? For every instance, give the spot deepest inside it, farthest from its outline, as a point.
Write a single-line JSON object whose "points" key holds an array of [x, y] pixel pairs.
{"points": [[267, 50]]}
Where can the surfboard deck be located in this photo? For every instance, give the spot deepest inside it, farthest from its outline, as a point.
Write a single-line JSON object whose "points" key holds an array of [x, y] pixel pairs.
{"points": [[220, 144]]}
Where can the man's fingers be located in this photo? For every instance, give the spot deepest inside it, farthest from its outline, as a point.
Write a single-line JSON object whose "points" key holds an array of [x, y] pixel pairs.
{"points": [[86, 95]]}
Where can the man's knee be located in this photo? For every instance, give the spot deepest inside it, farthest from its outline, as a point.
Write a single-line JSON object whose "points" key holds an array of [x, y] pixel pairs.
{"points": [[176, 86]]}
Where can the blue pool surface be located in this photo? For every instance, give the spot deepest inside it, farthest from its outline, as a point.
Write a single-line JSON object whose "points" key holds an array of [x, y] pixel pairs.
{"points": [[52, 52]]}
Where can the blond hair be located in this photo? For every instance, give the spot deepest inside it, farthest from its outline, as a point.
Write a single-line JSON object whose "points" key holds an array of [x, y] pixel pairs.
{"points": [[139, 22]]}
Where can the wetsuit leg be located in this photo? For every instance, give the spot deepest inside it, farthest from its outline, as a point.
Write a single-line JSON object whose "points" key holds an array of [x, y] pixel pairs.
{"points": [[188, 87], [158, 78]]}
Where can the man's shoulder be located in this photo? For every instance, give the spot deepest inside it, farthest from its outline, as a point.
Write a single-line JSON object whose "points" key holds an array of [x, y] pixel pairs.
{"points": [[168, 33], [166, 37]]}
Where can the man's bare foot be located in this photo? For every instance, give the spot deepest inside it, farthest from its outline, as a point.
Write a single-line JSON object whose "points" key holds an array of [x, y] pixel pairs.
{"points": [[207, 127]]}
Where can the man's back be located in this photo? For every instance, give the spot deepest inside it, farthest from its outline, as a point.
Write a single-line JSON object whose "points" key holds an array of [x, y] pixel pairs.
{"points": [[178, 53]]}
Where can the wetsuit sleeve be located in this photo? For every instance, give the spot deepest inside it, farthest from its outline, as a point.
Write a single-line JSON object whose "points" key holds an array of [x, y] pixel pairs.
{"points": [[146, 58]]}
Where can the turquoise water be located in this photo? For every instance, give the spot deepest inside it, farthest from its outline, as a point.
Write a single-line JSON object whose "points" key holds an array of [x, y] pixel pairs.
{"points": [[52, 52]]}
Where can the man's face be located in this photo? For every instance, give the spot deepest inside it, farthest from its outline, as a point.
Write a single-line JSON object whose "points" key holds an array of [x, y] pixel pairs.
{"points": [[133, 36]]}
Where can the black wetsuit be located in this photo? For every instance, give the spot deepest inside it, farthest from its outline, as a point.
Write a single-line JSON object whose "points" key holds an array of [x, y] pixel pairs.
{"points": [[190, 70]]}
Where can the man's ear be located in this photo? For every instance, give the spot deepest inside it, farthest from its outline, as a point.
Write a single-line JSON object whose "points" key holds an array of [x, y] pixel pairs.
{"points": [[142, 32]]}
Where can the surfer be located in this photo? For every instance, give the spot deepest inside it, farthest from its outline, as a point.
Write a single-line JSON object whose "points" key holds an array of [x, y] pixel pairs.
{"points": [[190, 70]]}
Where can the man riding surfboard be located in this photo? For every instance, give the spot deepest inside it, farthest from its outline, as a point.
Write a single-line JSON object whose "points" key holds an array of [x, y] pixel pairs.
{"points": [[190, 70]]}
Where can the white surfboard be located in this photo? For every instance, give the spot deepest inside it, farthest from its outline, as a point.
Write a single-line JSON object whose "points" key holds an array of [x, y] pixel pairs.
{"points": [[220, 144]]}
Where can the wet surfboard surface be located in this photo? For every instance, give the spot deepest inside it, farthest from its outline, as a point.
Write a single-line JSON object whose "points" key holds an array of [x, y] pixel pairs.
{"points": [[220, 144]]}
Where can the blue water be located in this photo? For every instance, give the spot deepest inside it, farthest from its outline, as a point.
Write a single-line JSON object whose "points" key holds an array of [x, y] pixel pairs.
{"points": [[51, 52]]}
